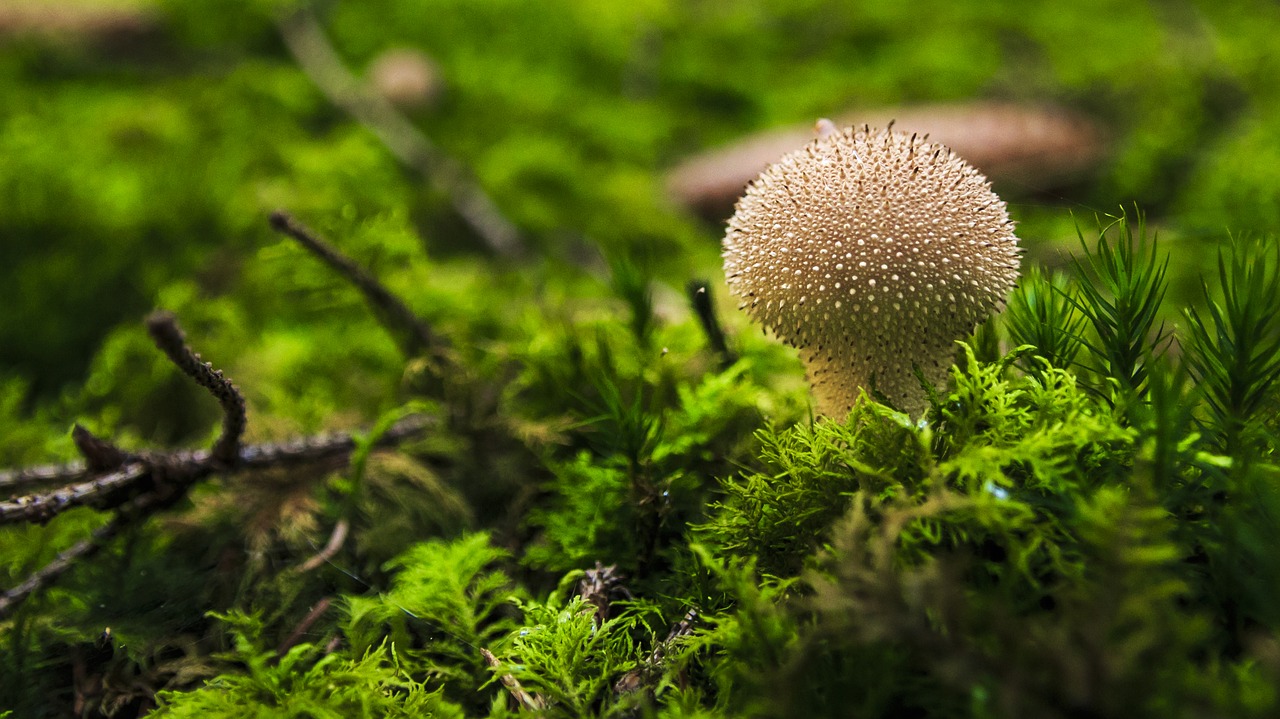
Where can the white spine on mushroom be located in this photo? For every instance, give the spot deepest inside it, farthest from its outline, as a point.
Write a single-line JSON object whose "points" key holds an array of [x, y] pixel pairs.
{"points": [[871, 252]]}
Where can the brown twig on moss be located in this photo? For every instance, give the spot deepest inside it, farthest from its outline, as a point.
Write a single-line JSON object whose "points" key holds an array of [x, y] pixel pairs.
{"points": [[526, 700], [413, 335], [105, 492], [643, 675], [295, 637], [336, 539], [310, 450], [50, 572], [68, 558], [306, 40], [43, 475], [598, 587], [169, 338], [141, 484], [99, 454], [700, 297], [108, 491], [185, 467], [188, 465]]}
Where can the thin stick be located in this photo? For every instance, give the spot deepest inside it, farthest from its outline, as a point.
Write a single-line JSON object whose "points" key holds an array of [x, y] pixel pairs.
{"points": [[160, 479], [50, 572], [192, 466], [598, 585], [98, 492], [99, 454], [643, 675], [182, 468], [68, 558], [532, 702], [44, 474], [317, 611], [413, 335], [336, 540], [306, 40], [700, 297], [169, 338], [311, 450]]}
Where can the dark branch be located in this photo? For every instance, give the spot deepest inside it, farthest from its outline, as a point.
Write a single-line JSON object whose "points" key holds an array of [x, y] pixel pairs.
{"points": [[311, 450], [598, 587], [414, 336], [300, 631], [99, 454], [700, 298], [176, 471], [179, 469], [306, 450], [169, 338], [48, 574], [104, 492], [645, 675], [44, 474], [306, 40]]}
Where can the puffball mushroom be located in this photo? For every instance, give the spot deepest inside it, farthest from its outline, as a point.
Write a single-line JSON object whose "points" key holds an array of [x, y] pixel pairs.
{"points": [[872, 252]]}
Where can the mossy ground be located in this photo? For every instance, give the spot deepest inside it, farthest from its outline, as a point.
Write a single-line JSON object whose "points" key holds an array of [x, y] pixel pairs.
{"points": [[1084, 524]]}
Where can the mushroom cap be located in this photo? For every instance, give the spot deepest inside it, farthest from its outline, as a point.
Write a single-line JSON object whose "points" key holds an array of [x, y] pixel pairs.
{"points": [[872, 252], [406, 77]]}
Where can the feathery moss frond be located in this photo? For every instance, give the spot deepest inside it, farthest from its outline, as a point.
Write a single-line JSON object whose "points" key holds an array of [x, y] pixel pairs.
{"points": [[304, 683]]}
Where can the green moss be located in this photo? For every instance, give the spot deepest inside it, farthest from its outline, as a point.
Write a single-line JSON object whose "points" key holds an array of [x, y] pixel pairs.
{"points": [[1084, 522]]}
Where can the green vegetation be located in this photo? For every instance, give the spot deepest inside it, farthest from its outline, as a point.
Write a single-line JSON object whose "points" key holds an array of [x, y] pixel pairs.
{"points": [[608, 514]]}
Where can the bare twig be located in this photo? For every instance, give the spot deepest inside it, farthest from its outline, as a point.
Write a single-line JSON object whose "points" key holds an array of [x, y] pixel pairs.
{"points": [[44, 474], [50, 572], [643, 675], [182, 468], [682, 628], [306, 40], [532, 702], [99, 454], [700, 298], [336, 540], [139, 485], [104, 492], [414, 336], [79, 551], [598, 586], [169, 338], [310, 450], [317, 611]]}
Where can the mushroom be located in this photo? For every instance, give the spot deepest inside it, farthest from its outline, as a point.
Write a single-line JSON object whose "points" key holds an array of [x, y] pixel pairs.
{"points": [[872, 252], [1031, 146], [407, 78]]}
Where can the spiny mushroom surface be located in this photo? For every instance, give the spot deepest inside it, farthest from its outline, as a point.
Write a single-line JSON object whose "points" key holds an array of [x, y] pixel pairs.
{"points": [[871, 251]]}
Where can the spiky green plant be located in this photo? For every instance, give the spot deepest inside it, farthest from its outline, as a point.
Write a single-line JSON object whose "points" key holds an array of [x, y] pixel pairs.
{"points": [[1121, 289], [1042, 314], [1234, 343]]}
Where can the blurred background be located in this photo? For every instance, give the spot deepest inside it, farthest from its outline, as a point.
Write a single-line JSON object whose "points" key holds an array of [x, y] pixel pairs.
{"points": [[143, 142]]}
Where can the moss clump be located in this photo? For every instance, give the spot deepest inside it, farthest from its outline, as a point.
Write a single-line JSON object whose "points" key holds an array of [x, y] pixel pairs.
{"points": [[613, 513]]}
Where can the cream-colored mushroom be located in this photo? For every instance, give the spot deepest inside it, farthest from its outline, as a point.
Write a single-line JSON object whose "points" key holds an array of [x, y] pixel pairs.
{"points": [[872, 252]]}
